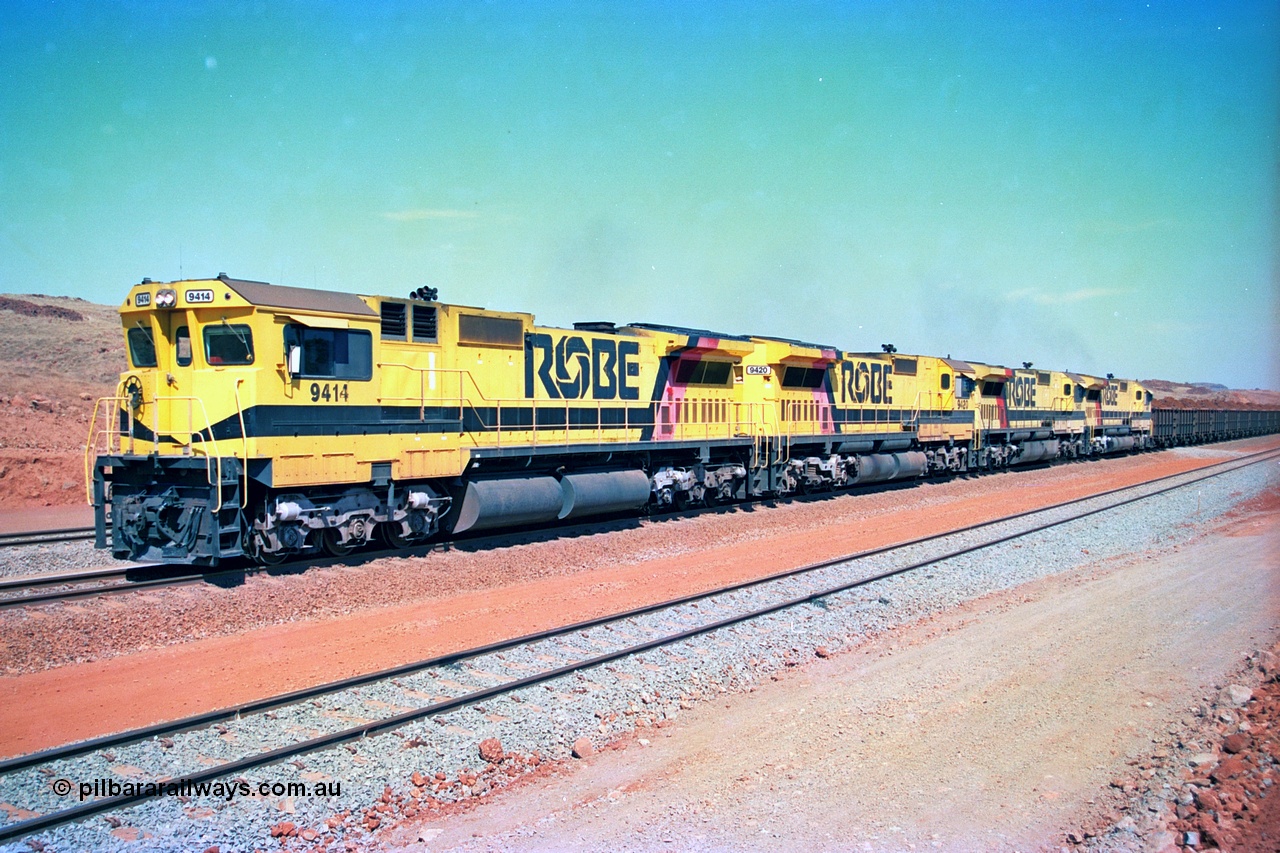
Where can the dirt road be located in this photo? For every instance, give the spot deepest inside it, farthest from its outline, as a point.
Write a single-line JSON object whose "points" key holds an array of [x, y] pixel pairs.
{"points": [[996, 726]]}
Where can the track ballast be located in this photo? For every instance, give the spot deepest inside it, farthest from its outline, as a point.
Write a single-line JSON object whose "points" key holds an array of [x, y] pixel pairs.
{"points": [[471, 677]]}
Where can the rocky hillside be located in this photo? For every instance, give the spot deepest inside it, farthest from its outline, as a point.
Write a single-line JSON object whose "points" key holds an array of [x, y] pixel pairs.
{"points": [[57, 356], [1208, 395]]}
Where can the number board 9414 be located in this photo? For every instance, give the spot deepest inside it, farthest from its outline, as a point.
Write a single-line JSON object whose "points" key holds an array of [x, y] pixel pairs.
{"points": [[199, 297], [329, 392]]}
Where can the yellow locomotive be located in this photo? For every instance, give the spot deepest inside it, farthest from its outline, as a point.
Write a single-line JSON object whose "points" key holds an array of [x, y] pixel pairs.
{"points": [[264, 421]]}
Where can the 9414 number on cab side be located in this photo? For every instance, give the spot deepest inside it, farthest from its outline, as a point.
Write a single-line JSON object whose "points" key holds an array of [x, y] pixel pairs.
{"points": [[329, 392]]}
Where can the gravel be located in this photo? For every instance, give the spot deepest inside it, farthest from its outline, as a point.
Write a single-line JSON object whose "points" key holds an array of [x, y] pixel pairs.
{"points": [[542, 722], [53, 558], [1158, 802], [57, 634]]}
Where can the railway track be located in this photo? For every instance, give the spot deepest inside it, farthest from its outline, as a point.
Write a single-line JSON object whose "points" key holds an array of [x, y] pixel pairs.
{"points": [[135, 577], [44, 537], [477, 675], [45, 589], [41, 589]]}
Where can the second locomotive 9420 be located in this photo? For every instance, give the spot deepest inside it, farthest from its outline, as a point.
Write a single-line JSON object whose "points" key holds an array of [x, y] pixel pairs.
{"points": [[265, 421]]}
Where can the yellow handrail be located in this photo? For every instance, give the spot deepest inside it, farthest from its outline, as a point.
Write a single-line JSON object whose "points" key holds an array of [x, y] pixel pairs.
{"points": [[244, 463], [115, 438]]}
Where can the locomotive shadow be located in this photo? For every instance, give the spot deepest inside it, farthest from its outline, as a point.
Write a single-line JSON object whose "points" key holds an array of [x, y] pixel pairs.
{"points": [[236, 573], [570, 530]]}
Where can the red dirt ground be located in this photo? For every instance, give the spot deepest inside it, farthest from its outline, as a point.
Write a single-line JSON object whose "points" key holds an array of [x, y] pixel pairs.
{"points": [[54, 706]]}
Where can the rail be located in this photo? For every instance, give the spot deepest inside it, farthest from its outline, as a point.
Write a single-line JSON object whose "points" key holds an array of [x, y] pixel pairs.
{"points": [[551, 423], [771, 593], [120, 439], [929, 400], [244, 442]]}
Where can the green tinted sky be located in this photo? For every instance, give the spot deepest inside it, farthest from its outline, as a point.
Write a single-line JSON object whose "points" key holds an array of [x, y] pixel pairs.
{"points": [[1088, 186]]}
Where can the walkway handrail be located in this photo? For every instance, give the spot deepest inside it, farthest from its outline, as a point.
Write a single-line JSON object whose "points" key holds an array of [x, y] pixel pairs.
{"points": [[115, 437]]}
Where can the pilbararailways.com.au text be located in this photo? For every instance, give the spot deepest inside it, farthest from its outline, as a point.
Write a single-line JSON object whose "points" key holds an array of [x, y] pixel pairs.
{"points": [[99, 788]]}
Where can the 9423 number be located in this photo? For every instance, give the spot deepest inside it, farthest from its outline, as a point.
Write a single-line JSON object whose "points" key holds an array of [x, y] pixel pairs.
{"points": [[329, 392]]}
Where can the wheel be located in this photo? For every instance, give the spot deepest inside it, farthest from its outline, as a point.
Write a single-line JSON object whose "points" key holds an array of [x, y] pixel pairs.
{"points": [[331, 543], [264, 558], [391, 536]]}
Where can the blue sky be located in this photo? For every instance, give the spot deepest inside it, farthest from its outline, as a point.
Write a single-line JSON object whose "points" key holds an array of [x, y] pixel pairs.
{"points": [[1085, 186]]}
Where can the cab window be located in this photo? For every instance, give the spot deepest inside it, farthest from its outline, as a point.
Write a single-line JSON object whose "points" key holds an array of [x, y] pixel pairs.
{"points": [[228, 344], [182, 343], [803, 377], [142, 347], [703, 372], [331, 353]]}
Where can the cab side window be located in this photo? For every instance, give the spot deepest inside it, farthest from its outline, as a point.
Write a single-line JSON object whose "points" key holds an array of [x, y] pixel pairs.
{"points": [[714, 373], [182, 342], [803, 377], [331, 353]]}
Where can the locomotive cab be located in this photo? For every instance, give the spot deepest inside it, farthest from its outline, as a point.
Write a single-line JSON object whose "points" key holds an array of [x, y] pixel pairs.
{"points": [[221, 372], [169, 473]]}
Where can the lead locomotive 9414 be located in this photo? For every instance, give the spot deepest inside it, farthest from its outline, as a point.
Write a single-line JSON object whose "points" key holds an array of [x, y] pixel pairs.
{"points": [[265, 421]]}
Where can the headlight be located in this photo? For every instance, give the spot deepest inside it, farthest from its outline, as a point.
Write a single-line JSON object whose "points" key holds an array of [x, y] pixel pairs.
{"points": [[166, 298]]}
